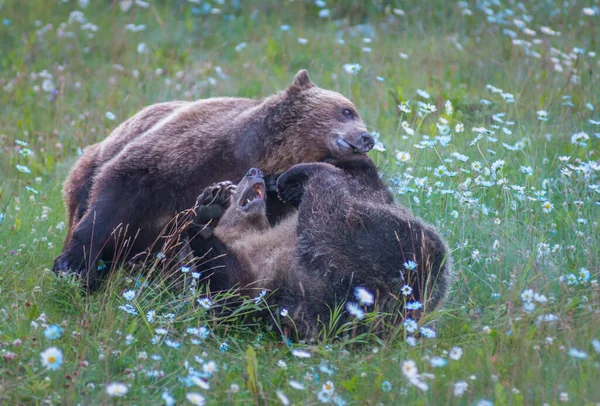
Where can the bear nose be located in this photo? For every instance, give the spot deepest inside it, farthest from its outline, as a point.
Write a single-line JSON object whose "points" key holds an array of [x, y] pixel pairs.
{"points": [[254, 172], [366, 143]]}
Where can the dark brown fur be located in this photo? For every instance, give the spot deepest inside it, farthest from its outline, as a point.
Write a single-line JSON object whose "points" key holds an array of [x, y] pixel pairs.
{"points": [[347, 233], [153, 165]]}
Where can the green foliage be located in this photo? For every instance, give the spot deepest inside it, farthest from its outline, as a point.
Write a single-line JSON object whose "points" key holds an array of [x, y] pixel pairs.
{"points": [[516, 215]]}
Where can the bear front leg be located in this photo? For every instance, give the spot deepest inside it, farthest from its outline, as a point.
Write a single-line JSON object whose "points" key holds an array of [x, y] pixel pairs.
{"points": [[291, 184], [114, 208]]}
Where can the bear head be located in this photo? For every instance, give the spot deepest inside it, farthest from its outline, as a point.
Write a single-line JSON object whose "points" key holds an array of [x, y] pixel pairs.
{"points": [[247, 209], [311, 124]]}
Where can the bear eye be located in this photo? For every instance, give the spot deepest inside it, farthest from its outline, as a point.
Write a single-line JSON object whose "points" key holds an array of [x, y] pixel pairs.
{"points": [[347, 113]]}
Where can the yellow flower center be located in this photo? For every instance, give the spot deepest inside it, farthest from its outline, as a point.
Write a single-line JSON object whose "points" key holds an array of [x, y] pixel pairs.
{"points": [[51, 359]]}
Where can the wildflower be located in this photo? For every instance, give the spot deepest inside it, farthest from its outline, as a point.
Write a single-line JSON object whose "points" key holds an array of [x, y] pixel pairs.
{"points": [[224, 347], [302, 41], [428, 332], [547, 207], [406, 290], [129, 309], [116, 389], [589, 11], [415, 305], [260, 296], [542, 115], [402, 156], [409, 368], [282, 397], [596, 345], [328, 387], [405, 107], [25, 152], [528, 307], [296, 385], [441, 171], [110, 116], [409, 265], [460, 388], [172, 343], [129, 295], [584, 275], [564, 397], [363, 296], [240, 46], [428, 108], [23, 169], [210, 367], [355, 310], [527, 170], [575, 353], [386, 386], [150, 316], [476, 166], [410, 325], [195, 398], [283, 312], [497, 165], [53, 332], [423, 94], [142, 48], [169, 400], [406, 127], [281, 364], [456, 353], [285, 27], [52, 358], [199, 382], [352, 68], [324, 13], [324, 397], [412, 341], [448, 107], [571, 279], [580, 139], [438, 362], [301, 354], [527, 295], [205, 302], [539, 298], [459, 127]]}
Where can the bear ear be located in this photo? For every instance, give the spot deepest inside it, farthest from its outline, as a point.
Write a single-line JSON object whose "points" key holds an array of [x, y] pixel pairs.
{"points": [[302, 81]]}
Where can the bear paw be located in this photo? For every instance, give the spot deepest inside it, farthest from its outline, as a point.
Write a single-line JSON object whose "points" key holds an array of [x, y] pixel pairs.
{"points": [[212, 202], [290, 185]]}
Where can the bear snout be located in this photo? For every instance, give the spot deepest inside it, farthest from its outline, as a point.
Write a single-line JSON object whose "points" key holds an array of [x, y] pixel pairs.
{"points": [[366, 143], [253, 172]]}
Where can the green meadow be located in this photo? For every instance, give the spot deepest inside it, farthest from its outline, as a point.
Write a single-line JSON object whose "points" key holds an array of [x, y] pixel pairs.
{"points": [[488, 120]]}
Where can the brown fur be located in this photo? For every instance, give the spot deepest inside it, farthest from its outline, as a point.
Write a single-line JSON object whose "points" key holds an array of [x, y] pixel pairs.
{"points": [[346, 233], [153, 165]]}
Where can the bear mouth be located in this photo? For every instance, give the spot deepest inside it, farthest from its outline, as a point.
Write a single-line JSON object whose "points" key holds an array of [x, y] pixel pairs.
{"points": [[345, 146], [255, 194]]}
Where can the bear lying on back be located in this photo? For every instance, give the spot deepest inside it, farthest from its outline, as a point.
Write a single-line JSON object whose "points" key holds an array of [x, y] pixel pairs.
{"points": [[347, 233], [153, 165]]}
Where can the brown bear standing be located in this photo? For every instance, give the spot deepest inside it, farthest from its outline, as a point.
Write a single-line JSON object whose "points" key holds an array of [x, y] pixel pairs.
{"points": [[154, 165]]}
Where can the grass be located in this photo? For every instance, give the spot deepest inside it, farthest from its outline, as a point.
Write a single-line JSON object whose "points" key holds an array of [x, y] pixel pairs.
{"points": [[504, 240]]}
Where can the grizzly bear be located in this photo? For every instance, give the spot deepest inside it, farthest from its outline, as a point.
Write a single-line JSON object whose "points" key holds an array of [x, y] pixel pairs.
{"points": [[153, 165], [346, 234]]}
